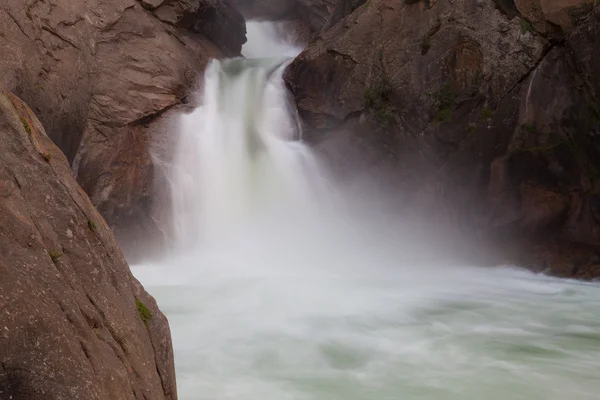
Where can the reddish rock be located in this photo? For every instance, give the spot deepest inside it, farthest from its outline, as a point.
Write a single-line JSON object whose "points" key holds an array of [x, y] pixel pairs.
{"points": [[75, 323], [484, 126], [100, 73]]}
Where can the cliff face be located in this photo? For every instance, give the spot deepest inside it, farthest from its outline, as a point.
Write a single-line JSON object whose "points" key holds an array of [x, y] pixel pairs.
{"points": [[317, 15], [101, 74], [486, 113], [75, 323]]}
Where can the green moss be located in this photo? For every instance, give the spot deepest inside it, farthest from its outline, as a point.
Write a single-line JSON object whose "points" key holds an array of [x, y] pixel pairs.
{"points": [[47, 157], [55, 255], [443, 115], [527, 129], [540, 149], [525, 25], [26, 125], [487, 113], [478, 79], [145, 313], [426, 40], [384, 116], [91, 225], [472, 129], [376, 100], [443, 104], [594, 112], [370, 97]]}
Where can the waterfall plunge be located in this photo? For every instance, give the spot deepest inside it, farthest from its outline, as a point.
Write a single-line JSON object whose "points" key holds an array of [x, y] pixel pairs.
{"points": [[278, 290]]}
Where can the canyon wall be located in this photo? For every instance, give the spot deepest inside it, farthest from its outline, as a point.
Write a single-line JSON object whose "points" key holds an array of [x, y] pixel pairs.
{"points": [[101, 75], [485, 114]]}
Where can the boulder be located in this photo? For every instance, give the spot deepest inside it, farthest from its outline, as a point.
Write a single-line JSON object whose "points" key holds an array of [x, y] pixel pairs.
{"points": [[552, 16], [75, 323]]}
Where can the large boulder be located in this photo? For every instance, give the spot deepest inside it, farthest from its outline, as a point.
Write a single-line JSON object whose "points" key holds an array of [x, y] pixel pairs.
{"points": [[75, 323], [555, 17], [482, 121], [100, 74]]}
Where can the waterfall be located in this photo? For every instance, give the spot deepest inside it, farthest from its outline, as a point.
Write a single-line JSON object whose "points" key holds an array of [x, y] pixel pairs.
{"points": [[239, 154], [278, 289]]}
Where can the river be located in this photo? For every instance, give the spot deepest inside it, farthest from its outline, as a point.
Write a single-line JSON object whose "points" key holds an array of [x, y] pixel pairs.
{"points": [[280, 286]]}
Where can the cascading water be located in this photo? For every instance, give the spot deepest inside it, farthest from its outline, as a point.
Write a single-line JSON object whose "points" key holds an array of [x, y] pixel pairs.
{"points": [[278, 290], [237, 156]]}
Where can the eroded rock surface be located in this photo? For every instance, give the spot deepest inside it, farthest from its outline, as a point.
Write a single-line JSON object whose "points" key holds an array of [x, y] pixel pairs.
{"points": [[74, 322], [100, 73], [318, 15], [486, 119]]}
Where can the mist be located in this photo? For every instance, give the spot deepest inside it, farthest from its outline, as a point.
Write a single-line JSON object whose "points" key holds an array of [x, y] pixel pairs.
{"points": [[285, 283]]}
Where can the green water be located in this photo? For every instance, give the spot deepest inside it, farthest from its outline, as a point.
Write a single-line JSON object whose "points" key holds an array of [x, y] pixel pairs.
{"points": [[450, 333]]}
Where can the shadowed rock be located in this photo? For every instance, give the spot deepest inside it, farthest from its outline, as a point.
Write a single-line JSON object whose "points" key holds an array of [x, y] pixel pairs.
{"points": [[483, 123]]}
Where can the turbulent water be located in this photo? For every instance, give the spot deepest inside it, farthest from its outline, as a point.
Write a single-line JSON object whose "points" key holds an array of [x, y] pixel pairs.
{"points": [[282, 287]]}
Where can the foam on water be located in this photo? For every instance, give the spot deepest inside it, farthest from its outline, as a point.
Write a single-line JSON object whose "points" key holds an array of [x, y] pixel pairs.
{"points": [[279, 289]]}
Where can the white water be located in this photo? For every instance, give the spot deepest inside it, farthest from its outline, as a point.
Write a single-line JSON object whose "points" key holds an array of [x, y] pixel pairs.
{"points": [[281, 289]]}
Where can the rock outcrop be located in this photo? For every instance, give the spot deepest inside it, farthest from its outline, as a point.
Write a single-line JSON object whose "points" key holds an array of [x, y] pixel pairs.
{"points": [[318, 15], [101, 74], [486, 117], [75, 323]]}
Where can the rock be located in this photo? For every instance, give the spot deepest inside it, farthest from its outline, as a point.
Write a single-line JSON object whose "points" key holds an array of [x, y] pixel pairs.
{"points": [[565, 13], [274, 10], [100, 74], [553, 17], [75, 323], [484, 126], [152, 4], [319, 15], [582, 45]]}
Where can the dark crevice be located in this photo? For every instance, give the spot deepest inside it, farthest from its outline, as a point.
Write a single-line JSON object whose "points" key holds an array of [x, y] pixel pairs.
{"points": [[18, 25], [86, 352], [50, 31], [147, 119], [344, 56], [528, 74], [508, 8]]}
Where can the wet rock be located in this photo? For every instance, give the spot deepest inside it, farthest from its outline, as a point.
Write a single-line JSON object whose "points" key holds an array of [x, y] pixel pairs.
{"points": [[99, 73], [318, 15], [483, 125]]}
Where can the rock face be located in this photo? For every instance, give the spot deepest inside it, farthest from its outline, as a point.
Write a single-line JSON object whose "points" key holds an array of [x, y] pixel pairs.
{"points": [[318, 15], [75, 323], [488, 121], [100, 74]]}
